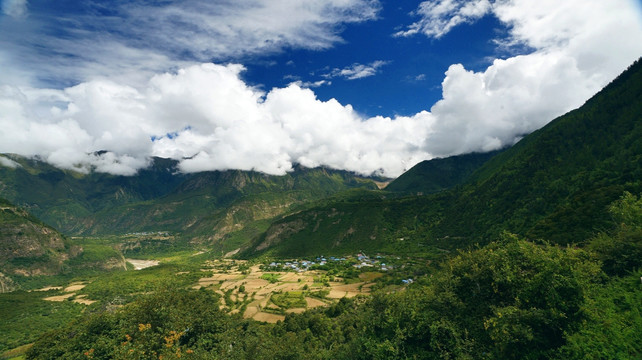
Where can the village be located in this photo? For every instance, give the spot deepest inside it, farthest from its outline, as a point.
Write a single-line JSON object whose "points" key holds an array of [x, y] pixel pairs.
{"points": [[358, 261]]}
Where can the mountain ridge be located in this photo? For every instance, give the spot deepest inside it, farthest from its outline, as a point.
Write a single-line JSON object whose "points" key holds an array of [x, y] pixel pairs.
{"points": [[201, 207], [430, 176]]}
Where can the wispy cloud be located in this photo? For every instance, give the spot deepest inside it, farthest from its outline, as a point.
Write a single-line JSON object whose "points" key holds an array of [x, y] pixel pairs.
{"points": [[356, 70], [14, 8], [133, 40], [311, 84], [437, 18], [8, 162]]}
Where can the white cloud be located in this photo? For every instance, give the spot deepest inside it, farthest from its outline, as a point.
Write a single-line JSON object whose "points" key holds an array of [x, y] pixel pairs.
{"points": [[6, 162], [356, 70], [217, 121], [311, 84], [439, 17], [575, 54]]}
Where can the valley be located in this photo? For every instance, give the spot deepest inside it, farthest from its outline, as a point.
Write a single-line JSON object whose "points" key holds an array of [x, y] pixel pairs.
{"points": [[531, 252], [262, 290]]}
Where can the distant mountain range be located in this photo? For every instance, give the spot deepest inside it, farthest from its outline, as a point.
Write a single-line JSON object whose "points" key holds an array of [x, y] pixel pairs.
{"points": [[205, 207]]}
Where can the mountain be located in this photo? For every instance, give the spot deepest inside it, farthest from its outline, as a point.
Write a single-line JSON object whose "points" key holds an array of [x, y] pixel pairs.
{"points": [[205, 207], [63, 198], [28, 247], [431, 176], [369, 222], [555, 184]]}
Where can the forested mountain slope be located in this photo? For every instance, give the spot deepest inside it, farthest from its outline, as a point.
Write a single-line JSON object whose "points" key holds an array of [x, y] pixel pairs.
{"points": [[554, 184], [557, 181], [206, 206], [435, 175]]}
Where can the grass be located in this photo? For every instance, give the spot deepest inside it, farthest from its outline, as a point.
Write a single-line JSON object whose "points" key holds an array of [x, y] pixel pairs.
{"points": [[16, 353], [289, 300], [272, 278], [25, 316], [125, 285]]}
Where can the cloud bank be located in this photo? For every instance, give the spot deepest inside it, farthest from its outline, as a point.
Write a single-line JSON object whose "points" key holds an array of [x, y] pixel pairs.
{"points": [[207, 117]]}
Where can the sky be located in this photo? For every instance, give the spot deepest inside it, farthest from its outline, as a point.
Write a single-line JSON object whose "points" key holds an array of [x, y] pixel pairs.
{"points": [[370, 86]]}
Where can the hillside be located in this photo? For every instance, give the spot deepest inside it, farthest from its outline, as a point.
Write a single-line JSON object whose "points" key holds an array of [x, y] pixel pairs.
{"points": [[64, 198], [431, 176], [28, 247], [203, 207], [555, 184]]}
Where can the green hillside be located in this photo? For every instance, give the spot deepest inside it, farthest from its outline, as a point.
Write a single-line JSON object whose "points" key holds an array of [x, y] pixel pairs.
{"points": [[64, 199], [366, 221], [555, 184], [223, 209], [28, 247], [431, 176]]}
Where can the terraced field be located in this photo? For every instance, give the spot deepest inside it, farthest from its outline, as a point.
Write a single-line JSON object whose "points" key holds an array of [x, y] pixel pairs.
{"points": [[247, 289]]}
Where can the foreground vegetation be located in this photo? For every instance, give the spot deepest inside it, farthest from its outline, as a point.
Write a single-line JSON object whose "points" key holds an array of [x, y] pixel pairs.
{"points": [[511, 299]]}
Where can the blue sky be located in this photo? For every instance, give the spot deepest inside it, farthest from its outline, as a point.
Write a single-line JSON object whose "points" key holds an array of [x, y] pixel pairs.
{"points": [[371, 86], [411, 69]]}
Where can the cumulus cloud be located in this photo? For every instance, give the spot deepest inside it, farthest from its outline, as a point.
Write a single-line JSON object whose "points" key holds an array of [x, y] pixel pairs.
{"points": [[209, 119], [574, 55], [356, 70]]}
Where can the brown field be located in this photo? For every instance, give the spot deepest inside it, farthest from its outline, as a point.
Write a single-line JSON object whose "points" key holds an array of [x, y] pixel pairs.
{"points": [[50, 288], [70, 291], [81, 299], [60, 297], [267, 317], [74, 287], [312, 302], [259, 290]]}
